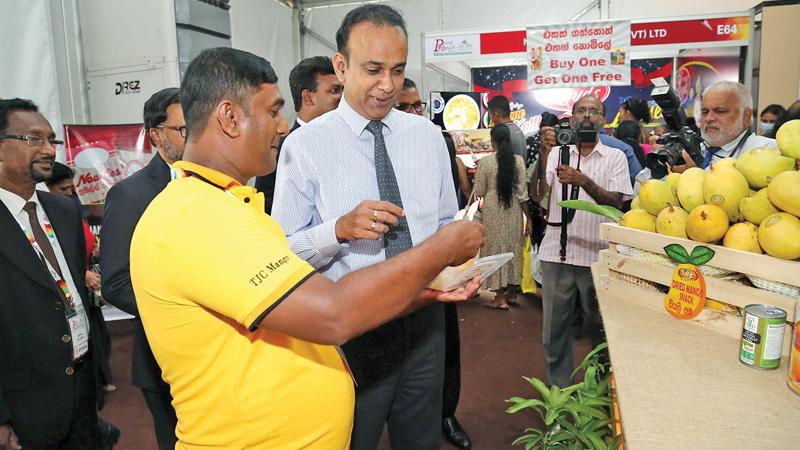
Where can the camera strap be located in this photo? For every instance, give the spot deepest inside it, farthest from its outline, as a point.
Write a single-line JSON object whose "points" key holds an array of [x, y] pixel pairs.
{"points": [[567, 214], [573, 195]]}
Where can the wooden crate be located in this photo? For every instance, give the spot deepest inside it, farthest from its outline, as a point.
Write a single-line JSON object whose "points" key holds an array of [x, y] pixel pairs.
{"points": [[679, 383], [620, 269]]}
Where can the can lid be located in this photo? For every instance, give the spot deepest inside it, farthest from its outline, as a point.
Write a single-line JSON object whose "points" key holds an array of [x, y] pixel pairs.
{"points": [[766, 311]]}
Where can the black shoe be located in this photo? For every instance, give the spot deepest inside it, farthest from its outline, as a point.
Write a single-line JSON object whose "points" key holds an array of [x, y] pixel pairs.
{"points": [[109, 434], [455, 434]]}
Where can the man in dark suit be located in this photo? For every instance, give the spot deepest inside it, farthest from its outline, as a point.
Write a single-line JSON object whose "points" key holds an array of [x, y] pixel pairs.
{"points": [[315, 91], [47, 382], [125, 203]]}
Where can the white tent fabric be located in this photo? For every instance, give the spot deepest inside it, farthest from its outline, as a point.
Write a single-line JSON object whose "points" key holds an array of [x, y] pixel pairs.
{"points": [[30, 53], [28, 68]]}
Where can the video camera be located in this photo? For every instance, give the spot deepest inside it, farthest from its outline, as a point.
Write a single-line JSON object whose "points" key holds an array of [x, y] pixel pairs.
{"points": [[566, 134], [679, 136]]}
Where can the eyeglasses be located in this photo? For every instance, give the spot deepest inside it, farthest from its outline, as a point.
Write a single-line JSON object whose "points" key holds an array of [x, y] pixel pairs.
{"points": [[33, 141], [591, 112], [418, 107], [180, 129]]}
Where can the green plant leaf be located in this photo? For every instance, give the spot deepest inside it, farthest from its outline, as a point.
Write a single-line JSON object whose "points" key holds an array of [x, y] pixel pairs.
{"points": [[677, 253], [592, 207], [571, 428], [561, 436], [595, 402], [597, 413], [595, 351], [541, 387], [534, 437], [532, 403], [551, 416], [701, 255], [597, 442]]}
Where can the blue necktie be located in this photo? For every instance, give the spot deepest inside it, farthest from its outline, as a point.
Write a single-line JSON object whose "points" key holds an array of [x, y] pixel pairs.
{"points": [[710, 152], [398, 238]]}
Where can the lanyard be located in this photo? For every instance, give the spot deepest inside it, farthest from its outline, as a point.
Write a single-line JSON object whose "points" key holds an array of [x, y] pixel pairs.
{"points": [[69, 301]]}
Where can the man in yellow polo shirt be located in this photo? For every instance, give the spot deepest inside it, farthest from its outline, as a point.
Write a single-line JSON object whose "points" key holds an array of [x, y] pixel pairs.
{"points": [[241, 327]]}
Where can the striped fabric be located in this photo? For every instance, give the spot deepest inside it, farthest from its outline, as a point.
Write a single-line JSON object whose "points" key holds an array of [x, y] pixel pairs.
{"points": [[608, 168], [327, 168]]}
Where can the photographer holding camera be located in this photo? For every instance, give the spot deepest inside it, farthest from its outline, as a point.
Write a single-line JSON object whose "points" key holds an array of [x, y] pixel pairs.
{"points": [[726, 118], [588, 170]]}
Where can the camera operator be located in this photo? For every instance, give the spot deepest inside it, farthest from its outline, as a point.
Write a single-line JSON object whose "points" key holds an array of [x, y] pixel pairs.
{"points": [[726, 117], [595, 172]]}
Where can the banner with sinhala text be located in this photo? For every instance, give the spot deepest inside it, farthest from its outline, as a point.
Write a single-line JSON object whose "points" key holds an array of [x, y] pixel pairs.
{"points": [[580, 54], [103, 155]]}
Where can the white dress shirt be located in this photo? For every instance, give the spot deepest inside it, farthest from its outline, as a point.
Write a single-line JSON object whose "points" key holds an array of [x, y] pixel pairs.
{"points": [[327, 168]]}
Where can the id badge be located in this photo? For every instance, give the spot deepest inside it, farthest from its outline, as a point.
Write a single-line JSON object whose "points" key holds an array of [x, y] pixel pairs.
{"points": [[79, 330]]}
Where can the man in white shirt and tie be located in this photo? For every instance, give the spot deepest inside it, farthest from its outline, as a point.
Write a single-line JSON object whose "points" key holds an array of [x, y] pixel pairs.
{"points": [[358, 185]]}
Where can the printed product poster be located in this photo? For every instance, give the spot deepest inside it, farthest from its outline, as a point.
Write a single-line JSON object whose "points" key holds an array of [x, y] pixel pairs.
{"points": [[580, 54], [527, 106], [103, 155], [695, 73]]}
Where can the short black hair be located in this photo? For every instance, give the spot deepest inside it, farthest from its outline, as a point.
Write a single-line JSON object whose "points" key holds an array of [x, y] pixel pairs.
{"points": [[60, 172], [155, 108], [304, 76], [408, 83], [7, 106], [218, 74], [372, 13], [773, 109], [499, 104]]}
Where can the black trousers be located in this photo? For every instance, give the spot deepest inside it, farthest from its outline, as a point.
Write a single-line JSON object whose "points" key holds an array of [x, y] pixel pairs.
{"points": [[83, 432], [407, 394], [451, 390], [164, 418]]}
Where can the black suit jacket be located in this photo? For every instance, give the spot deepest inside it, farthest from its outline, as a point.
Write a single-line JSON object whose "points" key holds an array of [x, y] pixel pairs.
{"points": [[266, 183], [125, 203], [36, 392]]}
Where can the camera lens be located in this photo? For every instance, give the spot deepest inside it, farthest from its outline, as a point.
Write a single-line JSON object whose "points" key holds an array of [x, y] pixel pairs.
{"points": [[564, 137]]}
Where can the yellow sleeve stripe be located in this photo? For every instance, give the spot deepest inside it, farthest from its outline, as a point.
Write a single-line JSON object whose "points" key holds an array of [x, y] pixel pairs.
{"points": [[277, 296]]}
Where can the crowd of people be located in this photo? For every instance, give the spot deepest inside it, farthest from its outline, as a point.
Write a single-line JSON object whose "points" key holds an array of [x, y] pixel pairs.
{"points": [[295, 313]]}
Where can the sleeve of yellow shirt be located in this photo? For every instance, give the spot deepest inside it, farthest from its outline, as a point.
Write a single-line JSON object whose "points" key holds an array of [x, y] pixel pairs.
{"points": [[232, 264]]}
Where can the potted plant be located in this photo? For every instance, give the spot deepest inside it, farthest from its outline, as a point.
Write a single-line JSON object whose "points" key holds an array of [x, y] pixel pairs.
{"points": [[575, 417]]}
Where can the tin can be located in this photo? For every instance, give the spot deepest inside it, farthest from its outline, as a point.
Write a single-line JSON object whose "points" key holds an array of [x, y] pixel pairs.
{"points": [[794, 354], [762, 336]]}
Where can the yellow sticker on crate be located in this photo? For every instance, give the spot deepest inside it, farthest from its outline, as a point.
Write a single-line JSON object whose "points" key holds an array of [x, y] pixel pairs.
{"points": [[687, 291]]}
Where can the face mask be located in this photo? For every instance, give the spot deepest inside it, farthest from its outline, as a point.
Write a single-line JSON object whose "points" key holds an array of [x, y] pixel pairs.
{"points": [[767, 127]]}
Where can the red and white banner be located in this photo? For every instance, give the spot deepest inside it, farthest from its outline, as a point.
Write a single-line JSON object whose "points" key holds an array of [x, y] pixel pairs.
{"points": [[722, 29], [580, 54], [460, 46], [103, 155]]}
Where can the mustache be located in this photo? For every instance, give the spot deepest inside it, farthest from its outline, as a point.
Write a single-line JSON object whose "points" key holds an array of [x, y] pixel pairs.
{"points": [[46, 159]]}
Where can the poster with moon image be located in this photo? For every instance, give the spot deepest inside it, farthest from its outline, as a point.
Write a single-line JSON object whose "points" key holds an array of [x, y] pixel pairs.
{"points": [[458, 110]]}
